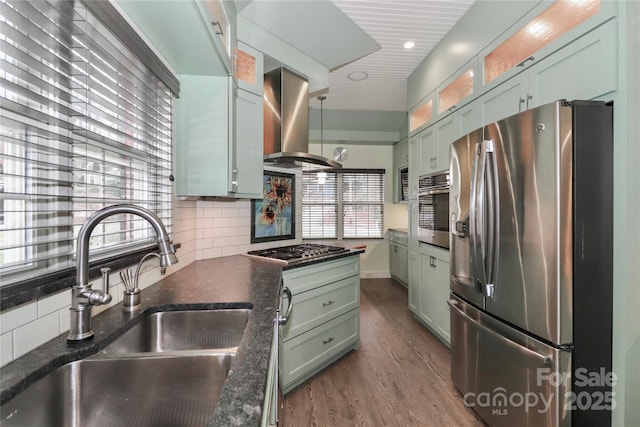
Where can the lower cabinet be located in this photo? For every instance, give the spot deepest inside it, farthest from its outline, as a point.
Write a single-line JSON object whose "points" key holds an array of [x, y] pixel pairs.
{"points": [[325, 320], [399, 256], [433, 309]]}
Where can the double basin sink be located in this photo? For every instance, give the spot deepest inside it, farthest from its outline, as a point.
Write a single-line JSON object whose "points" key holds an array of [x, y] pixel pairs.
{"points": [[168, 370]]}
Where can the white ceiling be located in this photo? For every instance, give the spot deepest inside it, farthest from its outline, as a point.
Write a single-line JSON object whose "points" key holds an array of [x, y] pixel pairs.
{"points": [[390, 23], [361, 36]]}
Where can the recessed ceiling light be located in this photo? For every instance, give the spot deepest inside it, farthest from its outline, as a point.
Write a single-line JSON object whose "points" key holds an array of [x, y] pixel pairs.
{"points": [[409, 45], [357, 75]]}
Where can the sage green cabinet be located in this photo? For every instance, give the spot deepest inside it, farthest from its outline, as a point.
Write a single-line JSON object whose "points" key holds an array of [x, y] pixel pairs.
{"points": [[434, 290], [202, 136], [504, 100], [520, 47], [414, 165], [584, 69], [428, 151], [399, 256], [218, 139], [247, 163], [435, 141], [400, 168], [221, 15], [468, 118], [325, 319], [421, 115], [249, 69], [196, 37], [413, 259]]}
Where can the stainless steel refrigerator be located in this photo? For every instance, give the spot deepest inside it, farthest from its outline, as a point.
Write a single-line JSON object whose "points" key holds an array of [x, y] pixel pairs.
{"points": [[531, 207]]}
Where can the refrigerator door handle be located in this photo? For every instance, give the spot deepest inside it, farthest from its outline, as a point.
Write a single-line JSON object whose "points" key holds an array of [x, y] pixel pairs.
{"points": [[474, 206], [492, 222], [545, 359]]}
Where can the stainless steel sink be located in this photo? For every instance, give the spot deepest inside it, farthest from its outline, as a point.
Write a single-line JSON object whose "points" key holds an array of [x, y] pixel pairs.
{"points": [[155, 391], [167, 370], [170, 331]]}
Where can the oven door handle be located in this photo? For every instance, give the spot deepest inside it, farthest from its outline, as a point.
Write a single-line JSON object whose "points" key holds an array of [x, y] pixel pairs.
{"points": [[284, 319]]}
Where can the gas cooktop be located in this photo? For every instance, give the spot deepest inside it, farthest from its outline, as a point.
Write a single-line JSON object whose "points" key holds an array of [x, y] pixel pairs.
{"points": [[298, 253]]}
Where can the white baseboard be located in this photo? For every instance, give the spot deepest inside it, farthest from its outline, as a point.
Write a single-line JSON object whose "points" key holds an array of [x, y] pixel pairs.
{"points": [[374, 274]]}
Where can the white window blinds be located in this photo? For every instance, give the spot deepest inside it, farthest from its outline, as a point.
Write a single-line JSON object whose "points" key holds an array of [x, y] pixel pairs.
{"points": [[85, 124], [347, 203], [319, 206]]}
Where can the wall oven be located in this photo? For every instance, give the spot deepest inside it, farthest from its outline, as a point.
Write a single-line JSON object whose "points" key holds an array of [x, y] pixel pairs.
{"points": [[433, 209]]}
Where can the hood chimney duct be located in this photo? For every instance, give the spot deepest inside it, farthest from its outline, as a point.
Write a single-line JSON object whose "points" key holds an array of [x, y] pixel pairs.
{"points": [[286, 120]]}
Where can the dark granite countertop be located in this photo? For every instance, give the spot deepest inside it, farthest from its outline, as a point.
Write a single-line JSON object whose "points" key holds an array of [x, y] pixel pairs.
{"points": [[229, 282]]}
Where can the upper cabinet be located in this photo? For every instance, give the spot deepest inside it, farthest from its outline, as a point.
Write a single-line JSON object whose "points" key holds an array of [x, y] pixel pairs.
{"points": [[401, 171], [249, 69], [218, 139], [202, 133], [458, 89], [196, 37], [545, 39], [538, 34], [222, 18], [583, 69], [421, 115]]}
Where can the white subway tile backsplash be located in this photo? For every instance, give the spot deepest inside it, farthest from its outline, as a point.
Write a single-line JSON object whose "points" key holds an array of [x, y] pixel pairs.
{"points": [[212, 232], [205, 243], [230, 250], [211, 253], [54, 303], [35, 333], [15, 317], [230, 231], [221, 222], [221, 242], [212, 212], [204, 222], [6, 348], [65, 319]]}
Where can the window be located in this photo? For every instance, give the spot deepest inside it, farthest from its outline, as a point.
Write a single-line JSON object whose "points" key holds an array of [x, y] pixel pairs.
{"points": [[85, 124], [354, 212]]}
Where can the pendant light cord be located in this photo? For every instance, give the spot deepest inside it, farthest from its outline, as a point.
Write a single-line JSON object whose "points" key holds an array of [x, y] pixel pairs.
{"points": [[321, 98]]}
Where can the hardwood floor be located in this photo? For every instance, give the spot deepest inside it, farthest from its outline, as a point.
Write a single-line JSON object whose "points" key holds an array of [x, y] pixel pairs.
{"points": [[398, 377]]}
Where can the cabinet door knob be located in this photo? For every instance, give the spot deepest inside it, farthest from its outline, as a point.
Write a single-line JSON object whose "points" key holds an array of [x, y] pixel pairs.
{"points": [[327, 341], [328, 303]]}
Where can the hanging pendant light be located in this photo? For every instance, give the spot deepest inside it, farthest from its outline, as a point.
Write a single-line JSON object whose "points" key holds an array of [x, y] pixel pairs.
{"points": [[322, 176]]}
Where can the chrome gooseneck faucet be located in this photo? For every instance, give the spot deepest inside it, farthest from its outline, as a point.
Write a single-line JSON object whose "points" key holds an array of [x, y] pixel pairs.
{"points": [[83, 298]]}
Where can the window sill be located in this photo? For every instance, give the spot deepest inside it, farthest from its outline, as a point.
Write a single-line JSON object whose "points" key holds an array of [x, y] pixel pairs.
{"points": [[30, 290]]}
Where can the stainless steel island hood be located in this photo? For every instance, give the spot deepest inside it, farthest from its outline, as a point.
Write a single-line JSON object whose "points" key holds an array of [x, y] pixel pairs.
{"points": [[286, 121]]}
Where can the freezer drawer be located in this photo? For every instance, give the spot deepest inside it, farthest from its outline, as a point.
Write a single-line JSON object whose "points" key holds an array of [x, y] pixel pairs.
{"points": [[507, 377]]}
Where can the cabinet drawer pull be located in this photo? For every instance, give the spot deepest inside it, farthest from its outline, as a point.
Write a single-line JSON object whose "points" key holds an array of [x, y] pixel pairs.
{"points": [[327, 341], [325, 304]]}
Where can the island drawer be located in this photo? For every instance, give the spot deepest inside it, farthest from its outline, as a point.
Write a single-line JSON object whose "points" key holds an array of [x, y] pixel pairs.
{"points": [[303, 279], [317, 306], [313, 350]]}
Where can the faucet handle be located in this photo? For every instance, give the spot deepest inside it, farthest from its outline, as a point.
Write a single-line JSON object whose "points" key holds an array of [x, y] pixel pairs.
{"points": [[105, 279]]}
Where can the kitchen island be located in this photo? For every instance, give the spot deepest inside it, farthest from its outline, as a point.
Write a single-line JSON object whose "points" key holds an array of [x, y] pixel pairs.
{"points": [[229, 282]]}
